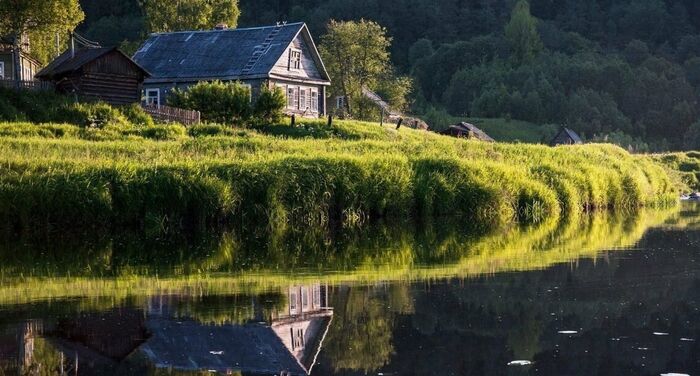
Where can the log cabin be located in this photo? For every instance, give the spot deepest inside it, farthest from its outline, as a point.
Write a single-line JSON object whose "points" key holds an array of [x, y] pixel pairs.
{"points": [[283, 56], [104, 73]]}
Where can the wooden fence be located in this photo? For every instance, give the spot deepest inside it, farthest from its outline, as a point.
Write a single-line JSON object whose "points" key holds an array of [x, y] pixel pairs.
{"points": [[172, 114], [27, 85]]}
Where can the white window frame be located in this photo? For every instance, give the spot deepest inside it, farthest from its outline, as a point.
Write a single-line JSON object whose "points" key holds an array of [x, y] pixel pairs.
{"points": [[314, 100], [303, 98], [148, 96], [2, 70], [304, 299], [293, 308], [290, 97], [294, 59], [340, 102], [250, 92]]}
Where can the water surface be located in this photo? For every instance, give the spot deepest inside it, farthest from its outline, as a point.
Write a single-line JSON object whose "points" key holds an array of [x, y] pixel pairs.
{"points": [[592, 295]]}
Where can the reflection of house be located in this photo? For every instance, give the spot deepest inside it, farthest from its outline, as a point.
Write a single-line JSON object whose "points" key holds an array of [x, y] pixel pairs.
{"points": [[28, 66], [288, 341], [282, 56], [467, 130], [566, 137], [101, 73], [283, 340]]}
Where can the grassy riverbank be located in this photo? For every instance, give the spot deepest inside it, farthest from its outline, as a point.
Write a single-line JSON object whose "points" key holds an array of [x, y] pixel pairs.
{"points": [[58, 176]]}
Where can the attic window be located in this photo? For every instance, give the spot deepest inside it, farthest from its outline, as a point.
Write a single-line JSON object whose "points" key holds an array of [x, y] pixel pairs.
{"points": [[294, 59]]}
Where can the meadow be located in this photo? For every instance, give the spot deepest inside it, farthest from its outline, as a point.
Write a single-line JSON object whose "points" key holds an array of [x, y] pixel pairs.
{"points": [[163, 178]]}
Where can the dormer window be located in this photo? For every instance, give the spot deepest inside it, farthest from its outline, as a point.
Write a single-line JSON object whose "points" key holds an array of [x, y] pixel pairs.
{"points": [[294, 59]]}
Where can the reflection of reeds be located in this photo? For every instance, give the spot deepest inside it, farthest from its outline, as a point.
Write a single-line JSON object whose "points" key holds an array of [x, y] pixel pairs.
{"points": [[354, 173], [242, 265]]}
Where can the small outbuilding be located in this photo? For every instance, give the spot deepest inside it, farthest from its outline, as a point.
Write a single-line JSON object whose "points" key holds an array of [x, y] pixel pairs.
{"points": [[103, 73], [566, 137], [467, 130]]}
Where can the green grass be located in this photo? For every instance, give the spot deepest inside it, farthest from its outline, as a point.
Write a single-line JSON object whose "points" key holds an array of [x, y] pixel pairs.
{"points": [[312, 174], [506, 130], [685, 165]]}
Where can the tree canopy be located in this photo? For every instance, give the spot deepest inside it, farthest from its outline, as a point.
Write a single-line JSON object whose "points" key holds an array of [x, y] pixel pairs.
{"points": [[169, 15], [40, 19]]}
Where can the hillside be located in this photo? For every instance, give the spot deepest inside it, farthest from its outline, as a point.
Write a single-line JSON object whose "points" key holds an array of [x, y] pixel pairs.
{"points": [[626, 67]]}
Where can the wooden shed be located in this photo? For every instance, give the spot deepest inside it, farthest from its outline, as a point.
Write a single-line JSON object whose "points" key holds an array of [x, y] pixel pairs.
{"points": [[106, 74], [467, 130], [566, 137]]}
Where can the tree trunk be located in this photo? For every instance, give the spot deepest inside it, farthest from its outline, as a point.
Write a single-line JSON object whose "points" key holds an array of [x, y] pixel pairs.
{"points": [[16, 60]]}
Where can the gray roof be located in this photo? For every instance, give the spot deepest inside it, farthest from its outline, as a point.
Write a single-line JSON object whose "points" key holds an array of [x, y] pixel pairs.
{"points": [[567, 133], [252, 348], [220, 54], [464, 127], [67, 63]]}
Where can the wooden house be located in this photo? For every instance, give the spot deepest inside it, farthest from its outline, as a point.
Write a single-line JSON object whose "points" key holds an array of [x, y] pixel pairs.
{"points": [[566, 137], [282, 56], [28, 66], [106, 74], [467, 130]]}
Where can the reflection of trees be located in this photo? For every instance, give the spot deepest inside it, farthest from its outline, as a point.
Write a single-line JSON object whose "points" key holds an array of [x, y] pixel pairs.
{"points": [[360, 338]]}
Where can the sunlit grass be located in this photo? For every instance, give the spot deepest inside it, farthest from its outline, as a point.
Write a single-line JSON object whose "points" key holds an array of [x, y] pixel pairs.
{"points": [[310, 174]]}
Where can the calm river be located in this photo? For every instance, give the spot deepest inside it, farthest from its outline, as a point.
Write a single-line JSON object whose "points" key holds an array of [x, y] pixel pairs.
{"points": [[590, 295]]}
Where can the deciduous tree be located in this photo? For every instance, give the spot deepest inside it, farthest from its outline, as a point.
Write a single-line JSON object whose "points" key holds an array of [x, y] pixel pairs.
{"points": [[522, 33], [178, 15], [39, 18]]}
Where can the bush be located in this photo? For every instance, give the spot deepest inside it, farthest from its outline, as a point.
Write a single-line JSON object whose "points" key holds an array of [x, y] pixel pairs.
{"points": [[135, 114], [218, 102], [91, 115], [270, 104]]}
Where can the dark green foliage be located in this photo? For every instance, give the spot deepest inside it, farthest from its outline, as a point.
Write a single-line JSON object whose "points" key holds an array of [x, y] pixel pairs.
{"points": [[135, 114], [219, 102], [270, 104]]}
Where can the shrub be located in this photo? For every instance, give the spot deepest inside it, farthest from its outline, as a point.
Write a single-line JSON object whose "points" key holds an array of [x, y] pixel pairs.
{"points": [[270, 104], [135, 114], [218, 102], [91, 115]]}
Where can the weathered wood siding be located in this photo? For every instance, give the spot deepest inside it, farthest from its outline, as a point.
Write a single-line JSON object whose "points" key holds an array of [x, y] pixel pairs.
{"points": [[309, 69], [112, 78]]}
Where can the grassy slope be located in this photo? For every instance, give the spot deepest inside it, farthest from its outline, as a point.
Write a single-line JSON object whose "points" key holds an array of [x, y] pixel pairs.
{"points": [[687, 165], [514, 130], [310, 174]]}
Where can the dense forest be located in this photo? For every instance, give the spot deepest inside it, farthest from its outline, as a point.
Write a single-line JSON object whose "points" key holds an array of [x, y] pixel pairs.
{"points": [[622, 69]]}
